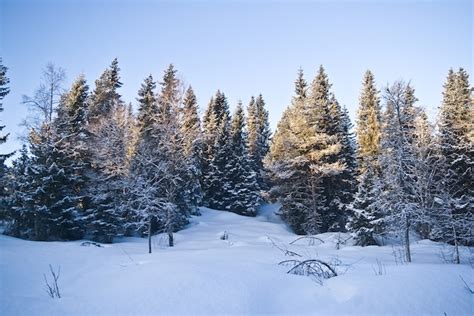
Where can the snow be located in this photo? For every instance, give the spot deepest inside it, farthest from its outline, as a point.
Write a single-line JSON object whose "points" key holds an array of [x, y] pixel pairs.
{"points": [[205, 275]]}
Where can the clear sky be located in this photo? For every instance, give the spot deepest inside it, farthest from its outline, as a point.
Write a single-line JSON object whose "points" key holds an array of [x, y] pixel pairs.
{"points": [[241, 47]]}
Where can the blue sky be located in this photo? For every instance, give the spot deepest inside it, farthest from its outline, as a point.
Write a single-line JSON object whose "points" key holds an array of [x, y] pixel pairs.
{"points": [[241, 47]]}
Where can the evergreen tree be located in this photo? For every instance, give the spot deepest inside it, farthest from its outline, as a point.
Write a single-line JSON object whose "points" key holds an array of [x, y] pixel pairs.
{"points": [[71, 139], [243, 197], [398, 162], [192, 146], [216, 150], [110, 134], [368, 124], [324, 113], [216, 180], [56, 209], [158, 164], [53, 197], [301, 157], [365, 220], [455, 199], [258, 136], [20, 198], [4, 90], [105, 97]]}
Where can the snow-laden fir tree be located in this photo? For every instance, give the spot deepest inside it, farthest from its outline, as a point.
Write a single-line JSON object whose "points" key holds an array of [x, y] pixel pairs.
{"points": [[19, 202], [216, 150], [158, 163], [217, 183], [169, 128], [454, 200], [192, 147], [57, 175], [105, 97], [426, 170], [143, 213], [365, 218], [398, 162], [110, 126], [341, 188], [243, 194], [324, 113], [302, 157], [258, 136], [56, 206], [4, 90]]}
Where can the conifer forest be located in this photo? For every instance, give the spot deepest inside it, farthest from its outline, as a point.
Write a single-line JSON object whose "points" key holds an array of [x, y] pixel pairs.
{"points": [[236, 158]]}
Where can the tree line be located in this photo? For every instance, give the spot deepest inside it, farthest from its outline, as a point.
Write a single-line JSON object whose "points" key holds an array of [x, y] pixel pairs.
{"points": [[92, 168]]}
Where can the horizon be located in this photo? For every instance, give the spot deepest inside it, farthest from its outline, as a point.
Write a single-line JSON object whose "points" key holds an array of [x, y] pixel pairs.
{"points": [[213, 47]]}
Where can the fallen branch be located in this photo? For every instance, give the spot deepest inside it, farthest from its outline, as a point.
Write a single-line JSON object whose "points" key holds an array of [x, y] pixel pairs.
{"points": [[284, 250], [311, 267], [311, 238]]}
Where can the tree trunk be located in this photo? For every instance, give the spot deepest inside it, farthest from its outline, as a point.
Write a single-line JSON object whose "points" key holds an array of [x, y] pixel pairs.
{"points": [[149, 234], [170, 239], [456, 247], [407, 239]]}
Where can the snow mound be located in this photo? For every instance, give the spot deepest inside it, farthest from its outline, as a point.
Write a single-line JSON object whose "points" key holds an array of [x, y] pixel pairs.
{"points": [[207, 275]]}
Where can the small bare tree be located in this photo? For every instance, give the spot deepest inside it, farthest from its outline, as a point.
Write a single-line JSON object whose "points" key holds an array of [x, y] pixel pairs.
{"points": [[45, 98]]}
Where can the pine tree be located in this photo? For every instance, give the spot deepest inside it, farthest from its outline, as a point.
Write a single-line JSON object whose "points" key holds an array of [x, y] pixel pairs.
{"points": [[242, 197], [192, 146]]}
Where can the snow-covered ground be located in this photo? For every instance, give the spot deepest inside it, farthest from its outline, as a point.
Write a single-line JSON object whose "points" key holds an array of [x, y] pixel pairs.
{"points": [[205, 275]]}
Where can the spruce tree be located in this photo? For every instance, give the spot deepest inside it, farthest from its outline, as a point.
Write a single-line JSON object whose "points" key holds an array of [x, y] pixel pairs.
{"points": [[365, 218], [368, 128], [258, 136], [19, 199], [216, 126], [324, 113], [455, 199], [216, 179], [158, 164], [303, 157], [242, 196], [192, 146], [56, 209], [4, 90], [105, 97], [110, 132], [71, 139], [398, 162]]}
